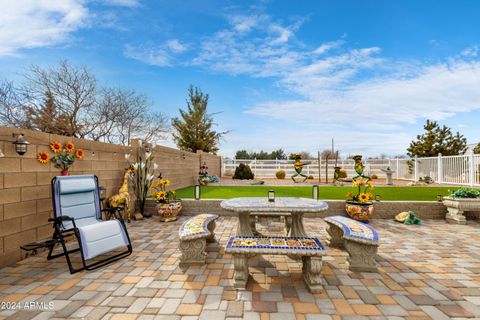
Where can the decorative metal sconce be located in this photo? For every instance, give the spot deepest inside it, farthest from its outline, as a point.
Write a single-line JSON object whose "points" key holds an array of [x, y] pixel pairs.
{"points": [[271, 195], [315, 192], [184, 156], [147, 148], [377, 197], [197, 192], [21, 145]]}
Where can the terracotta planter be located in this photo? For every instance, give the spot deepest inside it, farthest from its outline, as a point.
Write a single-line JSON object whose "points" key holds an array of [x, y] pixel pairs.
{"points": [[64, 172], [359, 211], [457, 207], [169, 211]]}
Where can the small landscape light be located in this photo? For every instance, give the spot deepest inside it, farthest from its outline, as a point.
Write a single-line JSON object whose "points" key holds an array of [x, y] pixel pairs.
{"points": [[439, 198], [271, 195], [315, 192], [20, 144], [197, 192], [377, 197]]}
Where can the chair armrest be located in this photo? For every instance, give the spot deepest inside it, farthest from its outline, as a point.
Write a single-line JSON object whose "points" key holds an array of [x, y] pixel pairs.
{"points": [[60, 219]]}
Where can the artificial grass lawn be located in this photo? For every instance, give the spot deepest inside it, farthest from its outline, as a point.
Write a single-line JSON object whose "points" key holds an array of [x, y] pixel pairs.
{"points": [[326, 192]]}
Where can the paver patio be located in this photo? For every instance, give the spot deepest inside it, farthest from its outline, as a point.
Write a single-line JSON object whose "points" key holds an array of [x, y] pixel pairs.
{"points": [[426, 272]]}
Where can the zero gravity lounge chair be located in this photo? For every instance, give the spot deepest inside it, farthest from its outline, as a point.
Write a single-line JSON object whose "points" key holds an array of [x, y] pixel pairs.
{"points": [[76, 207]]}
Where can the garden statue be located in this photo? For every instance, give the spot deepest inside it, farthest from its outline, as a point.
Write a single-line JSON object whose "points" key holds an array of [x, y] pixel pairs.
{"points": [[336, 175], [298, 165], [122, 198], [358, 165], [204, 179], [407, 218], [389, 173]]}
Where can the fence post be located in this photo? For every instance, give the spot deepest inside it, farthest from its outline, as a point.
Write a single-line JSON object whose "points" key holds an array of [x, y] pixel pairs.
{"points": [[415, 165], [222, 166], [471, 162], [440, 168], [255, 167], [398, 167]]}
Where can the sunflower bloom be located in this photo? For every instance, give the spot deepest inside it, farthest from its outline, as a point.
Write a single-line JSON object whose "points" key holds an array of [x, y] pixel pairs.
{"points": [[167, 182], [79, 154], [56, 146], [363, 197], [43, 157], [160, 195], [69, 146]]}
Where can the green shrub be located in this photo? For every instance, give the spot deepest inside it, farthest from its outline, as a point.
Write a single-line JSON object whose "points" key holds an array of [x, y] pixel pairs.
{"points": [[342, 174], [243, 172], [280, 174], [374, 177], [465, 193]]}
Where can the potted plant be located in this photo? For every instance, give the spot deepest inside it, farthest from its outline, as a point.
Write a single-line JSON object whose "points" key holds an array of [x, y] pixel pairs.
{"points": [[359, 205], [168, 206], [459, 201]]}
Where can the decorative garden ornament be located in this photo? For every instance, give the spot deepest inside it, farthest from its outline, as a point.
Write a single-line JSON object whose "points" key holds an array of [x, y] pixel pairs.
{"points": [[64, 156], [122, 198], [359, 205], [168, 206], [298, 165]]}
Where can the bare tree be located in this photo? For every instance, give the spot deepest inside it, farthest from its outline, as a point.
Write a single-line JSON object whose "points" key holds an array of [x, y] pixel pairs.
{"points": [[66, 100]]}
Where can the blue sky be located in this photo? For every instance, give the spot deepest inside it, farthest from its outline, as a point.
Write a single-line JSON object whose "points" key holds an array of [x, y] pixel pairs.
{"points": [[282, 74]]}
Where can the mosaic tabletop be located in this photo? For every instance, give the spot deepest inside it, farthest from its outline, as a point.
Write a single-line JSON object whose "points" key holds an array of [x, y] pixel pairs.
{"points": [[281, 204], [353, 229], [264, 244]]}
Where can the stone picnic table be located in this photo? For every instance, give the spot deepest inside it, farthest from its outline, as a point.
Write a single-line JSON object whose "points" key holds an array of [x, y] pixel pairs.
{"points": [[282, 206]]}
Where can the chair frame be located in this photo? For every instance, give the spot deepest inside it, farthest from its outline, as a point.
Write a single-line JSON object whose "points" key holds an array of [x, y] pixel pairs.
{"points": [[60, 233]]}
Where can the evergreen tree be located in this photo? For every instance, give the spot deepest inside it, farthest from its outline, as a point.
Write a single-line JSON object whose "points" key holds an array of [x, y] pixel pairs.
{"points": [[193, 130], [46, 117], [477, 148], [437, 140]]}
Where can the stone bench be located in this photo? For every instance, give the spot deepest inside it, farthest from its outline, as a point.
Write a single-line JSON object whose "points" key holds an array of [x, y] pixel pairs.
{"points": [[310, 249], [194, 234], [360, 240]]}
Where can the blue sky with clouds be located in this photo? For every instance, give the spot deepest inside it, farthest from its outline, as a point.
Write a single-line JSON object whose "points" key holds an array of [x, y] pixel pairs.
{"points": [[282, 74]]}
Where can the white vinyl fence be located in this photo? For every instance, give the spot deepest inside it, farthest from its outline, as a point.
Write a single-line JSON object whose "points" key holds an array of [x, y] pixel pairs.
{"points": [[461, 170]]}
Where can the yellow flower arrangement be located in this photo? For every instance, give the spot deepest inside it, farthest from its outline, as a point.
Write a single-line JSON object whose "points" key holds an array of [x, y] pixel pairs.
{"points": [[43, 157], [362, 184], [160, 193]]}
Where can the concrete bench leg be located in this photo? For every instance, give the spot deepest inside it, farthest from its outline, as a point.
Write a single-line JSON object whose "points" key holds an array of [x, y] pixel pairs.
{"points": [[193, 251], [336, 236], [211, 227], [361, 256], [288, 224], [311, 269], [240, 266]]}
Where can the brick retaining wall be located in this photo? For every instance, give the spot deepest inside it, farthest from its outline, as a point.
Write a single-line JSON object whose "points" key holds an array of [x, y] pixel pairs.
{"points": [[383, 209]]}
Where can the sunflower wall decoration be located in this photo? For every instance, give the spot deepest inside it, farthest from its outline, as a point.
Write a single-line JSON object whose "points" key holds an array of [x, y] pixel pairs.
{"points": [[64, 156]]}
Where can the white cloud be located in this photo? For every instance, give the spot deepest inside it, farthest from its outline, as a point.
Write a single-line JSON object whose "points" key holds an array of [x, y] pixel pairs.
{"points": [[176, 46], [123, 3], [34, 23], [153, 56], [471, 52]]}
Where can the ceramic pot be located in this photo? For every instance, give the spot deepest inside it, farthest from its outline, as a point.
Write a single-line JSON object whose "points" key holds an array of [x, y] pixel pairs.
{"points": [[168, 211], [359, 211]]}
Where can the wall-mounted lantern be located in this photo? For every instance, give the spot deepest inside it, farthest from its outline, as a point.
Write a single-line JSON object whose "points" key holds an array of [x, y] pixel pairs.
{"points": [[21, 145]]}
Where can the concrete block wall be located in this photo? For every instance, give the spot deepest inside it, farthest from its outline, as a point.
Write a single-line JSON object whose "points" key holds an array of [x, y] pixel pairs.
{"points": [[25, 196]]}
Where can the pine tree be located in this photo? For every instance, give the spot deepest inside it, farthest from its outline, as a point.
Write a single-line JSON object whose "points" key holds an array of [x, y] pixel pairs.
{"points": [[476, 150], [437, 140], [193, 130], [47, 119]]}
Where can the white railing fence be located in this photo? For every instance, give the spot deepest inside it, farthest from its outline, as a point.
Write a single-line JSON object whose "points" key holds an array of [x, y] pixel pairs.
{"points": [[461, 170]]}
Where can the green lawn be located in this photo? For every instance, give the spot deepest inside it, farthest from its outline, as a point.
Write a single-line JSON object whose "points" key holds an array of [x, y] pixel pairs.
{"points": [[326, 193]]}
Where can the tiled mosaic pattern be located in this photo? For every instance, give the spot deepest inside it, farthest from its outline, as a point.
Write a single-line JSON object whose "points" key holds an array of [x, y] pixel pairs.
{"points": [[354, 229], [426, 272], [196, 226], [275, 243]]}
